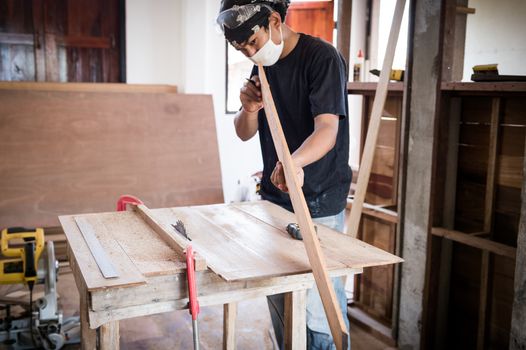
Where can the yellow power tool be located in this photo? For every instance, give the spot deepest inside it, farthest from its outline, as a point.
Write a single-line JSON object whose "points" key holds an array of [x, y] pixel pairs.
{"points": [[22, 247]]}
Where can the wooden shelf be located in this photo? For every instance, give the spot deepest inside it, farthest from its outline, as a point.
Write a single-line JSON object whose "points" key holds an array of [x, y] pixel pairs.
{"points": [[359, 88], [376, 212], [473, 240], [485, 87]]}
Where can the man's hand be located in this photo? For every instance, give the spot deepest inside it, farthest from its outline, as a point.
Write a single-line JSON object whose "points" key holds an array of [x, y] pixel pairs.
{"points": [[278, 177], [246, 120], [250, 95]]}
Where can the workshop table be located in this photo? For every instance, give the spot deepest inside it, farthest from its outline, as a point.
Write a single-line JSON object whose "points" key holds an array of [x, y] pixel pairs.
{"points": [[247, 251]]}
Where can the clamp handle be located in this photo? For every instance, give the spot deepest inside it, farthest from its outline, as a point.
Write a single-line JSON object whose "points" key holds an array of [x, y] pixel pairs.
{"points": [[192, 287], [126, 199]]}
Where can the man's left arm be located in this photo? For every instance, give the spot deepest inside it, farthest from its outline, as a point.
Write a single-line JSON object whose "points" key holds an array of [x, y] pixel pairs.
{"points": [[317, 145]]}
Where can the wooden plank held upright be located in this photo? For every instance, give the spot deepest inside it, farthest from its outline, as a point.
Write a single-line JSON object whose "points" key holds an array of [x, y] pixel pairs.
{"points": [[312, 244], [374, 124]]}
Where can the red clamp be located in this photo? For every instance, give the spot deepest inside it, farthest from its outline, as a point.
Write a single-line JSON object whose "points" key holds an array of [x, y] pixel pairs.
{"points": [[126, 199], [192, 287]]}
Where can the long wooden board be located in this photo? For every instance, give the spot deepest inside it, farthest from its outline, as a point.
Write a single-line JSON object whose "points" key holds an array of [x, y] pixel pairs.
{"points": [[353, 222], [74, 152], [167, 234], [312, 245], [86, 87]]}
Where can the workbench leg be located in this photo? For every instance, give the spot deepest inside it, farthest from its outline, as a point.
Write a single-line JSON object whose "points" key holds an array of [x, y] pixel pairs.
{"points": [[229, 326], [109, 336], [88, 336], [296, 320]]}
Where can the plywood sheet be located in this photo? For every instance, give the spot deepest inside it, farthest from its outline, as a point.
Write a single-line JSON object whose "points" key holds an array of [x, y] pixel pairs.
{"points": [[146, 249], [239, 242], [339, 247], [73, 152], [252, 248], [129, 275]]}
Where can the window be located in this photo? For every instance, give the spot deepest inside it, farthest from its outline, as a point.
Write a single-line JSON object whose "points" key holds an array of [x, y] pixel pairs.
{"points": [[237, 70]]}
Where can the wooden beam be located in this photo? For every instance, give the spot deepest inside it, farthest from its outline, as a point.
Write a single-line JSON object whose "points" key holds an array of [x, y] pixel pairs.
{"points": [[296, 320], [312, 244], [475, 242], [376, 212], [451, 87], [87, 87], [465, 10], [16, 39], [353, 222], [229, 326], [421, 103], [167, 293], [454, 41], [174, 240], [109, 336], [485, 267], [343, 32], [173, 287], [88, 336], [40, 53], [51, 53], [89, 42], [493, 144], [369, 88], [518, 314], [448, 220]]}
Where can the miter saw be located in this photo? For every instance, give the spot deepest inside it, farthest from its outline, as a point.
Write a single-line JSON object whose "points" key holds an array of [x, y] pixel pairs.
{"points": [[29, 260]]}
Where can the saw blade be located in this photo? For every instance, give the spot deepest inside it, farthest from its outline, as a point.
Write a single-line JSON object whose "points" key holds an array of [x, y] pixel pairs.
{"points": [[181, 229]]}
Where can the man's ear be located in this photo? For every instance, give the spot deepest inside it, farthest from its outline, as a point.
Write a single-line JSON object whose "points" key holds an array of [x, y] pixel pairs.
{"points": [[274, 20]]}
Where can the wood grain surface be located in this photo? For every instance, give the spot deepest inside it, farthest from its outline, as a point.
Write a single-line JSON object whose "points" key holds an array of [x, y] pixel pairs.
{"points": [[76, 152], [316, 257], [243, 241]]}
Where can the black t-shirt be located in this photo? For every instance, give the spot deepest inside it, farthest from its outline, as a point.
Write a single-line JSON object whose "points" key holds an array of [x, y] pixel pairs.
{"points": [[309, 81]]}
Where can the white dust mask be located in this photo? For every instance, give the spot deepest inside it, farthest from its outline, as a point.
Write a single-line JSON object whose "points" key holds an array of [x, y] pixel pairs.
{"points": [[270, 52]]}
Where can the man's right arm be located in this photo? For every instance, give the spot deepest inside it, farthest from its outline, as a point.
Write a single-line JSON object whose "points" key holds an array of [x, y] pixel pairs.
{"points": [[246, 124], [246, 120]]}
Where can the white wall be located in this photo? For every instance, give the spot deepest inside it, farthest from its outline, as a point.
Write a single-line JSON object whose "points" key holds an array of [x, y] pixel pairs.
{"points": [[496, 33], [153, 42], [358, 30], [177, 42], [386, 10]]}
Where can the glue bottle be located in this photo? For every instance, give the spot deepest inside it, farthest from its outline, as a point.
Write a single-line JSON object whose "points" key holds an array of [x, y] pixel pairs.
{"points": [[358, 67]]}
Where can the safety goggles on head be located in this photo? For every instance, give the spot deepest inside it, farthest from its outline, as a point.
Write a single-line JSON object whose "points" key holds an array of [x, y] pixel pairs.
{"points": [[237, 15]]}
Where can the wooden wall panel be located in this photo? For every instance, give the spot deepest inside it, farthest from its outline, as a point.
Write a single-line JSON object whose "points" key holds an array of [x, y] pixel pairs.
{"points": [[312, 17], [17, 61], [501, 301], [381, 189], [376, 284], [464, 307], [77, 152], [464, 298], [61, 40]]}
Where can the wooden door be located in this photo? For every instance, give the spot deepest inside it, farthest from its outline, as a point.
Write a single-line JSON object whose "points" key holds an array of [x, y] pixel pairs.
{"points": [[17, 60], [62, 40], [312, 17]]}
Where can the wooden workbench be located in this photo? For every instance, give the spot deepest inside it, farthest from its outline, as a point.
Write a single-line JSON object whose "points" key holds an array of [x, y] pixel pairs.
{"points": [[247, 251]]}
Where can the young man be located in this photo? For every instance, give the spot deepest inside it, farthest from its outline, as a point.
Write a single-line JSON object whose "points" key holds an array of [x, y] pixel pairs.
{"points": [[308, 80]]}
